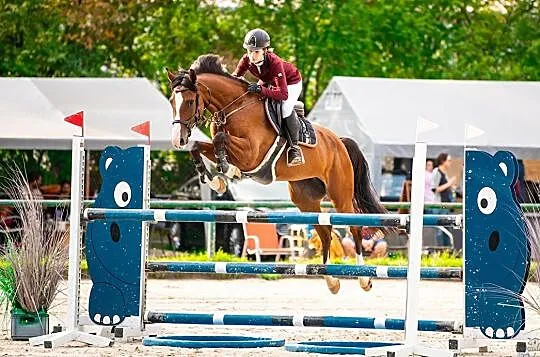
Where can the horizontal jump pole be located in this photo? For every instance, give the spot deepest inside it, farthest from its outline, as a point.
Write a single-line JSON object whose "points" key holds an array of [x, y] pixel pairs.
{"points": [[242, 204], [301, 269], [374, 220], [298, 321]]}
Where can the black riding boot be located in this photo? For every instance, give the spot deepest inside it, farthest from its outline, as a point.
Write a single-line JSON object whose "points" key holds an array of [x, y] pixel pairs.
{"points": [[294, 153]]}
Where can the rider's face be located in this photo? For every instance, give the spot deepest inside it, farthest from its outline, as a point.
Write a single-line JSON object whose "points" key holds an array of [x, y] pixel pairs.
{"points": [[255, 56]]}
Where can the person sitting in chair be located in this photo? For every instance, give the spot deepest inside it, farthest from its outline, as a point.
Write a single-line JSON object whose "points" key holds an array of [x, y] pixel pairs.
{"points": [[373, 243], [278, 79]]}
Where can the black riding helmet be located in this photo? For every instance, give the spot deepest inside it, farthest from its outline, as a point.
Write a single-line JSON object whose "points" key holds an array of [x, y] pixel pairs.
{"points": [[256, 39]]}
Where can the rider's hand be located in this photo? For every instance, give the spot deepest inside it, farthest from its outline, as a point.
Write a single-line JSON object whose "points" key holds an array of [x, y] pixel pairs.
{"points": [[254, 88]]}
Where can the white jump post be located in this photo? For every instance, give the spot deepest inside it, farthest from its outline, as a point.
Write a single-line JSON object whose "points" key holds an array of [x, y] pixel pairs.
{"points": [[73, 331], [411, 346], [415, 256]]}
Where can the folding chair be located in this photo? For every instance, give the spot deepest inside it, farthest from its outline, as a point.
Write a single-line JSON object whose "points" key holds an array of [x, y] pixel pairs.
{"points": [[262, 239]]}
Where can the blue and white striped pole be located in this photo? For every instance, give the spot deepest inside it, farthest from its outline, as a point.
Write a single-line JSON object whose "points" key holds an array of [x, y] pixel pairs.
{"points": [[301, 269], [350, 219], [220, 318]]}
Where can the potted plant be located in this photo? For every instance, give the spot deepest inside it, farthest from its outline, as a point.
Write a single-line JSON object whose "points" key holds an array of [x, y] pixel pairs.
{"points": [[32, 261]]}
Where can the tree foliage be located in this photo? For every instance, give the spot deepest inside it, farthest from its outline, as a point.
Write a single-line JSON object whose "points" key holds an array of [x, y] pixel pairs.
{"points": [[452, 39]]}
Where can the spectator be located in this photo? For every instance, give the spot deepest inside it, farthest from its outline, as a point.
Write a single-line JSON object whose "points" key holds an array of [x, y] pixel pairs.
{"points": [[61, 213], [373, 242], [520, 188], [34, 182], [65, 190], [428, 193], [442, 188], [441, 185], [7, 222]]}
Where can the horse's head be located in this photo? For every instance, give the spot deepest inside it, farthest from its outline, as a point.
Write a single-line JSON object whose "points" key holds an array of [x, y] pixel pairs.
{"points": [[187, 105], [190, 96]]}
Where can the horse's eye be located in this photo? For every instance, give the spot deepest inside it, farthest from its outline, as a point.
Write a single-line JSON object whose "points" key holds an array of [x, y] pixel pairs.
{"points": [[190, 103]]}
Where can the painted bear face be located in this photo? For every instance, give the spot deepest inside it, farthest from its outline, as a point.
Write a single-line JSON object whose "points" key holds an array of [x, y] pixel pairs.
{"points": [[112, 241], [496, 248]]}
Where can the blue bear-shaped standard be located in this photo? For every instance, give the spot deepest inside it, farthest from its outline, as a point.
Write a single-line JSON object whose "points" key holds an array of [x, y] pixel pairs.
{"points": [[113, 248], [497, 250]]}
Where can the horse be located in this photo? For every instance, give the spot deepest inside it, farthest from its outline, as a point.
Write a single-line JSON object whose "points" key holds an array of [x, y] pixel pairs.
{"points": [[242, 136]]}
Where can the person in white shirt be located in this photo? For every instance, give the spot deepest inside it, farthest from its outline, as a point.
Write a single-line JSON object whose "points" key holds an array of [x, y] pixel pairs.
{"points": [[428, 193]]}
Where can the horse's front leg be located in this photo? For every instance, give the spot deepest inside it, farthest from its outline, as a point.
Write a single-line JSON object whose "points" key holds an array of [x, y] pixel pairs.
{"points": [[217, 183], [226, 146], [207, 149], [221, 140]]}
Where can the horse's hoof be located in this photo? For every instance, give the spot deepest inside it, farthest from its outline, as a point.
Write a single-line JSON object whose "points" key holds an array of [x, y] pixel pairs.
{"points": [[333, 285], [366, 285], [218, 184], [335, 288]]}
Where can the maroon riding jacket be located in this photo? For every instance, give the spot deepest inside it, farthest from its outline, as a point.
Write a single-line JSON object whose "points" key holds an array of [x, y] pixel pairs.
{"points": [[274, 71]]}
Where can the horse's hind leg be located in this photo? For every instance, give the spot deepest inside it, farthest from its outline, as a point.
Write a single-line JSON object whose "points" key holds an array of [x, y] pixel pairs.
{"points": [[307, 196], [341, 193]]}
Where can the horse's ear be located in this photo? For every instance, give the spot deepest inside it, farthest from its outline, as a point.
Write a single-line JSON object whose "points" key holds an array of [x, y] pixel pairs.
{"points": [[192, 76], [170, 74]]}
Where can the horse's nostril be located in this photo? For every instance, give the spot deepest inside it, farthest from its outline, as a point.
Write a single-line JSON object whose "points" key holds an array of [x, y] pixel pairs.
{"points": [[181, 141], [494, 240], [115, 232]]}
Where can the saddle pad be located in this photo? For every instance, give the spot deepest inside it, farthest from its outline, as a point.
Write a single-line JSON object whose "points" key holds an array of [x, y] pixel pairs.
{"points": [[307, 135]]}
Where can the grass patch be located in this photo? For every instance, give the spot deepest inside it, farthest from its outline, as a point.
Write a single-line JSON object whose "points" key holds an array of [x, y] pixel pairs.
{"points": [[270, 276], [440, 260], [220, 256], [8, 287]]}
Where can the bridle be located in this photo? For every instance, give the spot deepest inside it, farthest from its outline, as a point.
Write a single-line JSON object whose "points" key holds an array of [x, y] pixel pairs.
{"points": [[199, 119], [219, 117], [182, 80]]}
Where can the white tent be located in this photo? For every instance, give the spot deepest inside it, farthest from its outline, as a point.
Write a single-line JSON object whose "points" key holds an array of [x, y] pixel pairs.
{"points": [[381, 115], [32, 112]]}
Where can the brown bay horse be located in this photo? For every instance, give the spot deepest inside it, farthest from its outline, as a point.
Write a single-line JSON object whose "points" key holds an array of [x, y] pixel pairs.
{"points": [[242, 136]]}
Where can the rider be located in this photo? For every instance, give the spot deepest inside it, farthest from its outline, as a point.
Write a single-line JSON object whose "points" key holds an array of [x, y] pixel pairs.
{"points": [[278, 80]]}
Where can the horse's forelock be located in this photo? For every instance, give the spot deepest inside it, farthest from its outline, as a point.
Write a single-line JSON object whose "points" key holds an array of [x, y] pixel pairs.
{"points": [[182, 79]]}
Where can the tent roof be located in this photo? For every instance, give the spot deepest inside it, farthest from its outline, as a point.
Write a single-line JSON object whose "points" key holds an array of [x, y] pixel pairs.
{"points": [[32, 112], [385, 111]]}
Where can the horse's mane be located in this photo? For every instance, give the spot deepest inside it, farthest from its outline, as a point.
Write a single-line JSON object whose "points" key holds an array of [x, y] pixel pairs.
{"points": [[211, 63]]}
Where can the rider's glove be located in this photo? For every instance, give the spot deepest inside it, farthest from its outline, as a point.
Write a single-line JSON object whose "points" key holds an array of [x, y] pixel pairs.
{"points": [[254, 88]]}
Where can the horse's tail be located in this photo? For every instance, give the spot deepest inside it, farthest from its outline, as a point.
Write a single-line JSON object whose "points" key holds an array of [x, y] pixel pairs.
{"points": [[365, 197]]}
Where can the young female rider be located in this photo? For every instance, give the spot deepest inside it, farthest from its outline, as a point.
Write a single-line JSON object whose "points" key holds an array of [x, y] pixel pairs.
{"points": [[278, 80]]}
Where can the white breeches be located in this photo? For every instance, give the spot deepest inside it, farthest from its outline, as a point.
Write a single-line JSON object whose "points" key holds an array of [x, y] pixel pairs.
{"points": [[294, 92]]}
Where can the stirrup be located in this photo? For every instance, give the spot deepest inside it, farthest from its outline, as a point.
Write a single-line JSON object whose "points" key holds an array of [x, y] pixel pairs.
{"points": [[298, 160]]}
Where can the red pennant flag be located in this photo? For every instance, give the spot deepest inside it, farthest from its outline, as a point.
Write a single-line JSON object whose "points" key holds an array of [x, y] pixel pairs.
{"points": [[143, 129], [75, 119]]}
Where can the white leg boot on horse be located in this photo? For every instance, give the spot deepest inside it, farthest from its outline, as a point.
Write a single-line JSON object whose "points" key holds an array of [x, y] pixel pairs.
{"points": [[365, 282]]}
